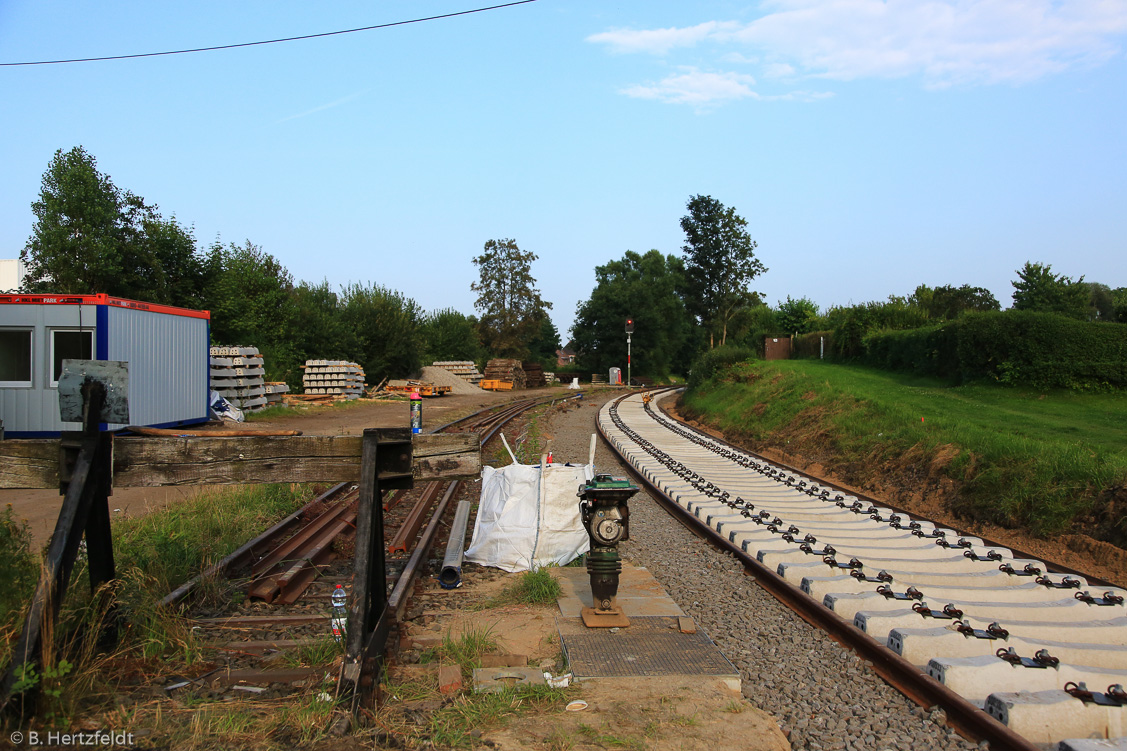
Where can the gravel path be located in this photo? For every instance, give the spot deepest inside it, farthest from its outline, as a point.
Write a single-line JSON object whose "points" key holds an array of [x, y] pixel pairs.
{"points": [[822, 695]]}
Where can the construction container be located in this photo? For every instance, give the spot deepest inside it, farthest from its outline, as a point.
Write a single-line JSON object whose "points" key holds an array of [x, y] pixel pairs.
{"points": [[166, 348]]}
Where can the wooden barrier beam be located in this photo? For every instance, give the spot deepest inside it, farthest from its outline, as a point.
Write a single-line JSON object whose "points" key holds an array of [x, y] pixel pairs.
{"points": [[154, 462]]}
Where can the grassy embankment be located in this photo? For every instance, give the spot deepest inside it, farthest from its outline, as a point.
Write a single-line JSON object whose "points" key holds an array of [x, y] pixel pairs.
{"points": [[1050, 462]]}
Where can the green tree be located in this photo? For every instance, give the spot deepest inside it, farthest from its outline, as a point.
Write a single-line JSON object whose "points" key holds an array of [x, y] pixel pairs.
{"points": [[1101, 304], [250, 299], [1037, 288], [79, 240], [319, 331], [720, 263], [645, 288], [948, 302], [507, 298], [180, 274], [450, 335], [544, 343], [797, 316], [91, 236], [1119, 299], [387, 331]]}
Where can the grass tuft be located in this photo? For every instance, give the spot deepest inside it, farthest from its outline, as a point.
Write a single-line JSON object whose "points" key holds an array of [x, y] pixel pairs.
{"points": [[534, 587]]}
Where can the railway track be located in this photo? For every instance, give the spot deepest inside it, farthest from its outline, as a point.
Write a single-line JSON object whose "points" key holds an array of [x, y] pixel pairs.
{"points": [[948, 619], [288, 573]]}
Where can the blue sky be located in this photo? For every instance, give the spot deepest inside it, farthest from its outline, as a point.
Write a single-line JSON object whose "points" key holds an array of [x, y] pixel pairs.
{"points": [[872, 146]]}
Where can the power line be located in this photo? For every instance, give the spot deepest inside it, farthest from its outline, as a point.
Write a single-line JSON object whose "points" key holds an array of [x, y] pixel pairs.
{"points": [[270, 41]]}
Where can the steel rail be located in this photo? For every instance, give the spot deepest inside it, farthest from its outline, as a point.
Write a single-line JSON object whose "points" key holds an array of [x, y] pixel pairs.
{"points": [[965, 718], [248, 550], [291, 575], [291, 548], [409, 530]]}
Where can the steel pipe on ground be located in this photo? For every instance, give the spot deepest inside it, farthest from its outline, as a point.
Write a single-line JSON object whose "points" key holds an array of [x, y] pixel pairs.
{"points": [[451, 575]]}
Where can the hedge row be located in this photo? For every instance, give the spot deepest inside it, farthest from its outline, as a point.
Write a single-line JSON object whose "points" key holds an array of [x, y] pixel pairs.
{"points": [[717, 359], [1016, 347], [814, 345]]}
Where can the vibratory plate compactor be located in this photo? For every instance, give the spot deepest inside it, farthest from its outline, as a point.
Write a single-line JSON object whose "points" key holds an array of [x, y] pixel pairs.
{"points": [[607, 520]]}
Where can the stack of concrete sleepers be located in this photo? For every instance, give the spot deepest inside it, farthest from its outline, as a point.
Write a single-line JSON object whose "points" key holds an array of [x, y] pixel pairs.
{"points": [[464, 369], [275, 390], [333, 377], [237, 375]]}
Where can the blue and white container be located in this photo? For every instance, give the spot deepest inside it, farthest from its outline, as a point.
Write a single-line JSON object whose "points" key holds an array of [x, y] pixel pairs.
{"points": [[166, 348]]}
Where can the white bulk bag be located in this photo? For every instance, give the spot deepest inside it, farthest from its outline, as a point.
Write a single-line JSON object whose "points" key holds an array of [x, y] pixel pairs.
{"points": [[529, 516]]}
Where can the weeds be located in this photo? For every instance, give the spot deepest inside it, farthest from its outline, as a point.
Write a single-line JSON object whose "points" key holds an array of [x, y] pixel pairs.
{"points": [[465, 650], [455, 725], [535, 587], [320, 651], [19, 570], [153, 554], [602, 738]]}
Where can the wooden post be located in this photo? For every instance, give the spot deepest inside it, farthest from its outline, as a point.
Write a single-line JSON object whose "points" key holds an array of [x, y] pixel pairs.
{"points": [[385, 464], [368, 591], [86, 488]]}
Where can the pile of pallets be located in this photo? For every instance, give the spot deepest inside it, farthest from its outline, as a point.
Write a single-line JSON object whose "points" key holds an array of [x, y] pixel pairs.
{"points": [[422, 388], [534, 374], [464, 369], [550, 377], [505, 371], [338, 378], [237, 375]]}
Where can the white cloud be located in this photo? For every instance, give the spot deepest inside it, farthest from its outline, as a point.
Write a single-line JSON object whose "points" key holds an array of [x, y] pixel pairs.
{"points": [[696, 88], [660, 41], [944, 42], [778, 70], [736, 57]]}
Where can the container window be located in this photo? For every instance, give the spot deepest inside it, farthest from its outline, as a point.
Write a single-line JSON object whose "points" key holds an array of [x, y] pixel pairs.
{"points": [[15, 357], [69, 345]]}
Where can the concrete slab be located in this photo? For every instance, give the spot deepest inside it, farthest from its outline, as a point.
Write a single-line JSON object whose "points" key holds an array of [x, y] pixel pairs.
{"points": [[660, 642], [495, 680], [639, 594]]}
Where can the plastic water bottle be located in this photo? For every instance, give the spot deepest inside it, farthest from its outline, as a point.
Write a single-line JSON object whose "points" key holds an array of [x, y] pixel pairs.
{"points": [[340, 613]]}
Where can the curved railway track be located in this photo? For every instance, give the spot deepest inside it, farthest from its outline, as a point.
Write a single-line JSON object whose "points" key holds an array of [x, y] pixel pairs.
{"points": [[948, 619]]}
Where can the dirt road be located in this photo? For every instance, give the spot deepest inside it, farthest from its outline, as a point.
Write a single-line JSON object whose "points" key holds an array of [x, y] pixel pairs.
{"points": [[40, 508]]}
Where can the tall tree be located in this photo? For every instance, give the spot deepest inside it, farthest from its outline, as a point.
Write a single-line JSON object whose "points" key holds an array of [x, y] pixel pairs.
{"points": [[1038, 288], [319, 331], [79, 240], [507, 298], [544, 343], [91, 236], [720, 263], [645, 288]]}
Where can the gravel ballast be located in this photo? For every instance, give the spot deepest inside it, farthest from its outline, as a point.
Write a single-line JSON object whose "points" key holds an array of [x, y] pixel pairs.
{"points": [[822, 695]]}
